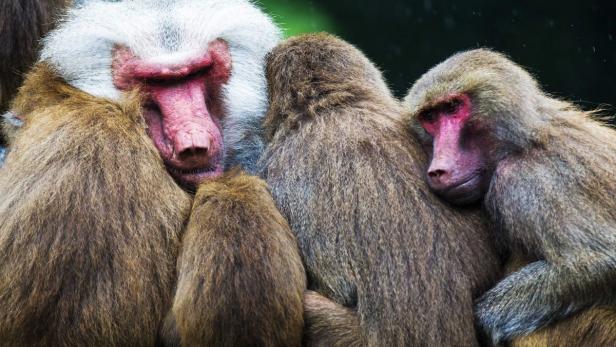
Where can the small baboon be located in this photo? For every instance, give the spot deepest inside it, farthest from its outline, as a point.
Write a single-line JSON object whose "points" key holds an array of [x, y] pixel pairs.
{"points": [[241, 279], [544, 171], [374, 240]]}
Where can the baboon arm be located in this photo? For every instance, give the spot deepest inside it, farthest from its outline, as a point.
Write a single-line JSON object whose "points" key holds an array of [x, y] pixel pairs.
{"points": [[544, 292], [329, 323]]}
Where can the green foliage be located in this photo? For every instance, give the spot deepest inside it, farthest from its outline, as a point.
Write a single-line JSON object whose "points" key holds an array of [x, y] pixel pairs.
{"points": [[299, 16]]}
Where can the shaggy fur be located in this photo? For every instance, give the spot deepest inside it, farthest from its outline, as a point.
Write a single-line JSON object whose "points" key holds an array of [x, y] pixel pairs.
{"points": [[92, 220], [589, 328], [22, 24], [349, 180], [172, 32], [552, 197], [91, 223], [100, 220], [241, 277], [329, 324]]}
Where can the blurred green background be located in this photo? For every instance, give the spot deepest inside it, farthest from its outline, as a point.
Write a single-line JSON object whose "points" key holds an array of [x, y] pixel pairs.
{"points": [[569, 45]]}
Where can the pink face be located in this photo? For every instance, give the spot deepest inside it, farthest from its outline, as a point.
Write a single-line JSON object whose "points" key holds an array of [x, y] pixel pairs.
{"points": [[457, 170], [183, 108]]}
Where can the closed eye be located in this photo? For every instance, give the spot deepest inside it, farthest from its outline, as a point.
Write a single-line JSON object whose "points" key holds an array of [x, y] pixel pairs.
{"points": [[452, 106], [428, 116], [171, 80]]}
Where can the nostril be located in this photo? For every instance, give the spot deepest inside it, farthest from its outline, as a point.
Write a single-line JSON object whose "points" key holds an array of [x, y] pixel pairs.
{"points": [[436, 173], [193, 152], [193, 148]]}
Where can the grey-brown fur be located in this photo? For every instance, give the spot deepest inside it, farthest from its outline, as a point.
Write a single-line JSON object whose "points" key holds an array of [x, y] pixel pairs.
{"points": [[552, 194], [349, 180]]}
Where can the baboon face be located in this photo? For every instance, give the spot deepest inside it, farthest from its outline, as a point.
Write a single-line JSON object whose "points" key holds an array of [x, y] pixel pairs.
{"points": [[459, 170], [196, 64], [182, 107], [471, 112]]}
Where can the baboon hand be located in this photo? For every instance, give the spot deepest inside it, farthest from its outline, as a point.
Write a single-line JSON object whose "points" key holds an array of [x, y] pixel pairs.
{"points": [[508, 310]]}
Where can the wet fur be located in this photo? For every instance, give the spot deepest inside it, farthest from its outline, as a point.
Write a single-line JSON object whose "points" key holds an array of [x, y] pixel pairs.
{"points": [[551, 198], [349, 180], [91, 223]]}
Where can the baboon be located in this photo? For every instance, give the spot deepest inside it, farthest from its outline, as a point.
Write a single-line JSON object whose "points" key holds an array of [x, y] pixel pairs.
{"points": [[348, 179], [126, 108], [241, 280], [544, 172], [22, 24], [91, 222]]}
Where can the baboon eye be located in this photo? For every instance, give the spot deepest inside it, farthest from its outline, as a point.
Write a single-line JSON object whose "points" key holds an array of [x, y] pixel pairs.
{"points": [[452, 106], [428, 116]]}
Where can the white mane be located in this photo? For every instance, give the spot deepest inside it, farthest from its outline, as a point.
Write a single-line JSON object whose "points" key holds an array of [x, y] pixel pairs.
{"points": [[168, 31]]}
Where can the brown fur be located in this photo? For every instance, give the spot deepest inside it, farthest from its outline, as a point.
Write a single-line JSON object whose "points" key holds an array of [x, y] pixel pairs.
{"points": [[90, 223], [42, 89], [329, 324], [349, 180], [241, 278], [85, 188], [552, 196], [22, 24], [591, 328]]}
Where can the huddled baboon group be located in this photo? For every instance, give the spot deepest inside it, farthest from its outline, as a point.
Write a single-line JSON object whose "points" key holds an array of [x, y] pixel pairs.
{"points": [[178, 175]]}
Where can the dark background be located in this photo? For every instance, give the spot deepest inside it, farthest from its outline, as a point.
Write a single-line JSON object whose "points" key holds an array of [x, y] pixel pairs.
{"points": [[570, 46]]}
